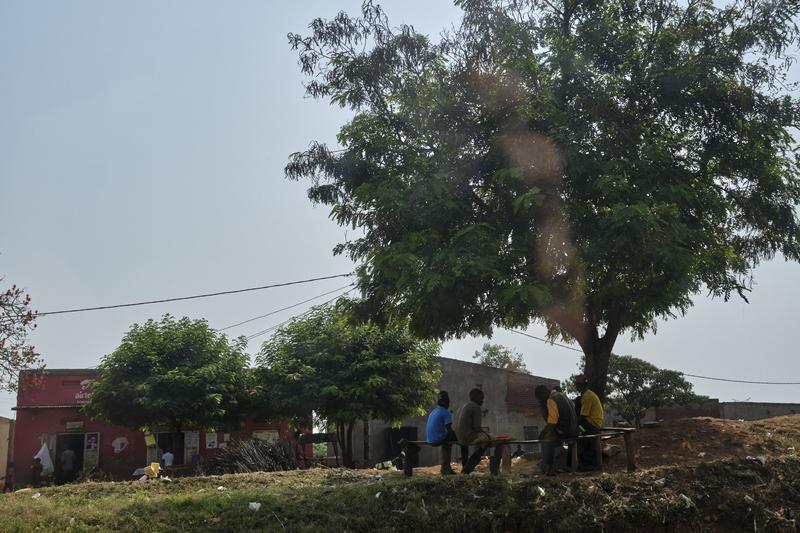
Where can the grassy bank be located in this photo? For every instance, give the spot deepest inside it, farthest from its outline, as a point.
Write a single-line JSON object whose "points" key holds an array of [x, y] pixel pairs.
{"points": [[720, 496]]}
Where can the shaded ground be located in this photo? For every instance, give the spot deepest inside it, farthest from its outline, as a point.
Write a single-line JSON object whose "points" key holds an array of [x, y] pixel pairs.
{"points": [[730, 493]]}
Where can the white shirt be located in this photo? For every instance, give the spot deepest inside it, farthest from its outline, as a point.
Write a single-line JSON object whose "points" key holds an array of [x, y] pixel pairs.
{"points": [[168, 458]]}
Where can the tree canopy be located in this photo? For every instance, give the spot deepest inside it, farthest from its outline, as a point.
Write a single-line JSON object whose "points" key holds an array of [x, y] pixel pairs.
{"points": [[17, 320], [499, 356], [172, 374], [635, 385], [345, 372], [587, 165]]}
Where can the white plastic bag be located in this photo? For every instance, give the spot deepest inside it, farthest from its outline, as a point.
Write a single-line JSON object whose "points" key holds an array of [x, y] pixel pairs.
{"points": [[47, 462]]}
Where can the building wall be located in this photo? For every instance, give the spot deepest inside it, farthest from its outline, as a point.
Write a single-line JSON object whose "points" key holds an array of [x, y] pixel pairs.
{"points": [[6, 433], [49, 403], [756, 410], [508, 408]]}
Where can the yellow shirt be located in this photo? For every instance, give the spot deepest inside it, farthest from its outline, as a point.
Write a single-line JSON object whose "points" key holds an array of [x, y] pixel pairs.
{"points": [[592, 409], [552, 412]]}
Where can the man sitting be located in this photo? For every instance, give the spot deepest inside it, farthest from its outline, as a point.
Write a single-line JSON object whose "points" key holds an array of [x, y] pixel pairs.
{"points": [[439, 431], [562, 423], [470, 433], [590, 422]]}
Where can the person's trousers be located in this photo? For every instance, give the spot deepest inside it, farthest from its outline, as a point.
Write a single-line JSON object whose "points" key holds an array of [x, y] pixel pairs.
{"points": [[447, 450], [549, 451], [586, 447], [475, 458]]}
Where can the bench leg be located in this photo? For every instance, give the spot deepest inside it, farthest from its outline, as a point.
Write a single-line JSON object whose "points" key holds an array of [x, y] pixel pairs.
{"points": [[573, 455], [506, 460], [629, 451], [410, 453], [598, 452]]}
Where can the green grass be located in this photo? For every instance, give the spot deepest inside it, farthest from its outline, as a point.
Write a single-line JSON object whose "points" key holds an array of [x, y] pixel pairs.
{"points": [[709, 497]]}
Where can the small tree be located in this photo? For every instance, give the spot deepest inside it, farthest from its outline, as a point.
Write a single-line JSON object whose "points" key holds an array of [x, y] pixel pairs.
{"points": [[345, 372], [16, 321], [634, 386], [499, 356], [172, 374]]}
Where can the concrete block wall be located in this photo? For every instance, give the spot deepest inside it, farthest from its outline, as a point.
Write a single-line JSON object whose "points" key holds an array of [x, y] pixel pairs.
{"points": [[509, 407]]}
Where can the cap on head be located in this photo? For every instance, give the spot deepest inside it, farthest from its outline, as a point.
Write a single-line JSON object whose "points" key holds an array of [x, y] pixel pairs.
{"points": [[443, 399]]}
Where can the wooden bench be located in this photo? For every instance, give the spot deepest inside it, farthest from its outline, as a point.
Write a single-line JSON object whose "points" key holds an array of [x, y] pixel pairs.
{"points": [[410, 449], [319, 438]]}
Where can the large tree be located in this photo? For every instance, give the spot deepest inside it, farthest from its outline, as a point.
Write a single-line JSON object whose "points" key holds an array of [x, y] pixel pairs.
{"points": [[172, 374], [17, 320], [345, 372], [589, 165]]}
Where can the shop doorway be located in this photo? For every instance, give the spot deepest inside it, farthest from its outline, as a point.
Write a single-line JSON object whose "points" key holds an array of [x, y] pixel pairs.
{"points": [[69, 456], [171, 442]]}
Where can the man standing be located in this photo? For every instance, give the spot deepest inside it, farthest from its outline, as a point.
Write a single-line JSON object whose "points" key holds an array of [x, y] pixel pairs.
{"points": [[562, 423], [470, 433], [167, 459], [439, 431], [590, 422], [68, 465]]}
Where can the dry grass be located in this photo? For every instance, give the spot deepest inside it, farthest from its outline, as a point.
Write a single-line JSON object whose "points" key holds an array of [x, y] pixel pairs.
{"points": [[728, 493]]}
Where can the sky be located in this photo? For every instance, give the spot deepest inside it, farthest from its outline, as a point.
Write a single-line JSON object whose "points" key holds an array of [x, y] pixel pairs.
{"points": [[142, 147]]}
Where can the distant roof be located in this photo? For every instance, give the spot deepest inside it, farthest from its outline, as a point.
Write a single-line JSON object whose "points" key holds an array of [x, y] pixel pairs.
{"points": [[65, 371], [463, 362]]}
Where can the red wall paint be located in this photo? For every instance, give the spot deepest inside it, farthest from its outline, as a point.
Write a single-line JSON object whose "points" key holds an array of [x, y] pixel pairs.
{"points": [[62, 389]]}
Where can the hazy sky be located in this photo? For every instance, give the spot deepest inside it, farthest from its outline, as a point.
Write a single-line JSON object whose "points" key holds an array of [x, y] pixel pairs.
{"points": [[142, 147]]}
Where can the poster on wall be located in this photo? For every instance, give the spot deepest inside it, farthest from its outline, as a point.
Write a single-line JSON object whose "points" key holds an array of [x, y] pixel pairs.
{"points": [[91, 450], [211, 440], [191, 446]]}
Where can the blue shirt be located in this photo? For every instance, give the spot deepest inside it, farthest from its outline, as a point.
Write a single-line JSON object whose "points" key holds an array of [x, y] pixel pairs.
{"points": [[436, 430]]}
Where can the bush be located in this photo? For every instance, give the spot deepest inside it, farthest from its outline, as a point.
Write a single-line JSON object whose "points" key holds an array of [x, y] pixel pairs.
{"points": [[253, 455]]}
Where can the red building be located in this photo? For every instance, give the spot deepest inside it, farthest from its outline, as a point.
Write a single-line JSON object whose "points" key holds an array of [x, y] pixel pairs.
{"points": [[49, 412]]}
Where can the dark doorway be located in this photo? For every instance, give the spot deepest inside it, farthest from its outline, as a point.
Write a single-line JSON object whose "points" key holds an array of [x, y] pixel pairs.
{"points": [[69, 456], [171, 442]]}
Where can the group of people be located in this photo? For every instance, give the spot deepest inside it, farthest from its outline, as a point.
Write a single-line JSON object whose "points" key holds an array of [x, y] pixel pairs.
{"points": [[468, 431], [565, 419]]}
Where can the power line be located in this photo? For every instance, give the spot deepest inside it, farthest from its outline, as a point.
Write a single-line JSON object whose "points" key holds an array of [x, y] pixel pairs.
{"points": [[284, 308], [207, 295], [309, 311], [744, 381], [545, 340], [682, 373]]}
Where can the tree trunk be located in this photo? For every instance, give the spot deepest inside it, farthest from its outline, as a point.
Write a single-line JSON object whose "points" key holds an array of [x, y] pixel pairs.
{"points": [[367, 462], [348, 458], [596, 370]]}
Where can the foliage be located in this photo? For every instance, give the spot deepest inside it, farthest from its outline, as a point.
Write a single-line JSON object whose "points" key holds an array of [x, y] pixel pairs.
{"points": [[344, 372], [634, 385], [16, 321], [252, 455], [172, 374], [499, 356], [589, 165]]}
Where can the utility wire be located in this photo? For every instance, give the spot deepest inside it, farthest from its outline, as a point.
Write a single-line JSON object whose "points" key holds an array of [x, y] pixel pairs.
{"points": [[207, 295], [309, 311], [545, 340], [284, 308], [744, 381], [682, 373]]}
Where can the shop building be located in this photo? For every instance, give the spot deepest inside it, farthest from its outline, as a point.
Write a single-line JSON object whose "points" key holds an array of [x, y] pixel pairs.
{"points": [[49, 413]]}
